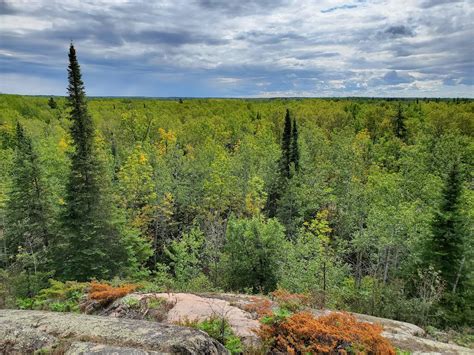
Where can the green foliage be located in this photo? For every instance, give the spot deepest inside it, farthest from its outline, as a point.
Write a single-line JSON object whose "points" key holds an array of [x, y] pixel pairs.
{"points": [[184, 255], [378, 167], [52, 104], [28, 212], [312, 263], [219, 329], [286, 146], [446, 249], [92, 244], [69, 290], [252, 253], [59, 297], [277, 316], [295, 150], [134, 303]]}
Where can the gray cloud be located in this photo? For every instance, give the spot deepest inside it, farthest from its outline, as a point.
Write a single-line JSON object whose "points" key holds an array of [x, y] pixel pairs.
{"points": [[6, 8], [242, 7], [431, 3], [246, 48], [173, 38], [342, 7], [399, 31]]}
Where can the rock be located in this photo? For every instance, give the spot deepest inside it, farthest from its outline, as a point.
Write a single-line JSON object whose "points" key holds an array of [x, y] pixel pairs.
{"points": [[194, 307], [419, 345], [28, 331], [93, 348]]}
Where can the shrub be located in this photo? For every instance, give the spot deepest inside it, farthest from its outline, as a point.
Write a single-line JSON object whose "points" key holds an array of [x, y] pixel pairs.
{"points": [[334, 333], [219, 329], [106, 293], [131, 302], [290, 301], [27, 303], [260, 306], [69, 290], [59, 297], [252, 254]]}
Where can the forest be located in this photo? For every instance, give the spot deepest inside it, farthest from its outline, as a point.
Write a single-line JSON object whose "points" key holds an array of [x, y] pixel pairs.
{"points": [[365, 204]]}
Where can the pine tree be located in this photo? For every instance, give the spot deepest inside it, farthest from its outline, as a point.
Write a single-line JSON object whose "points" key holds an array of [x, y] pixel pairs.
{"points": [[278, 184], [52, 104], [399, 125], [286, 146], [28, 211], [92, 245], [446, 249], [295, 153]]}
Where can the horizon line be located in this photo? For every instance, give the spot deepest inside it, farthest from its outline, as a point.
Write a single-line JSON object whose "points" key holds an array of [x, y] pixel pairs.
{"points": [[249, 97]]}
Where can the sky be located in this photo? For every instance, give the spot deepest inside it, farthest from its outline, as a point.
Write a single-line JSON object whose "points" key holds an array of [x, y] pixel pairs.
{"points": [[240, 48]]}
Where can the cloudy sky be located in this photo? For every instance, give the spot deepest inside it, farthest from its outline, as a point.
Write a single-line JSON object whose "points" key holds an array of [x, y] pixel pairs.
{"points": [[235, 48]]}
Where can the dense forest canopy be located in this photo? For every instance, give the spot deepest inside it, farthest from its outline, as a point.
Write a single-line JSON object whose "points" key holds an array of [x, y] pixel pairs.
{"points": [[365, 203]]}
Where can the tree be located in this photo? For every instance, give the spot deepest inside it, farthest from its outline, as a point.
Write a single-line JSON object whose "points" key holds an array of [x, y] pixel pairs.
{"points": [[92, 245], [399, 124], [52, 104], [137, 188], [295, 153], [184, 255], [28, 210], [446, 248], [252, 254], [312, 263], [286, 146], [278, 185]]}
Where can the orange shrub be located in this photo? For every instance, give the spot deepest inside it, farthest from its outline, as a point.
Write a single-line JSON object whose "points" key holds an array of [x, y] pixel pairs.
{"points": [[107, 293], [260, 306], [336, 333]]}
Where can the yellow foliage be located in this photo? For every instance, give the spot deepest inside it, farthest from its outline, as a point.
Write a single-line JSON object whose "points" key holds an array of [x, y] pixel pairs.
{"points": [[142, 158], [63, 144], [167, 139]]}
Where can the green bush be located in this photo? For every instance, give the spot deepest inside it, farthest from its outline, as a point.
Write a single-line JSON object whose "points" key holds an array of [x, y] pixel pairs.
{"points": [[69, 290], [219, 329], [253, 253], [59, 297], [132, 302]]}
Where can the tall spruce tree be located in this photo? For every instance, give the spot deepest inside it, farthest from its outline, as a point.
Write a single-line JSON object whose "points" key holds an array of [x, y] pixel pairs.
{"points": [[399, 124], [92, 245], [52, 104], [283, 173], [286, 146], [295, 152], [28, 215], [446, 250]]}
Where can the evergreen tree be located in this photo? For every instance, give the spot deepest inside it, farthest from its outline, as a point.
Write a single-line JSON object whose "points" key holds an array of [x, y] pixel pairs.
{"points": [[295, 153], [52, 104], [279, 182], [28, 212], [286, 146], [399, 125], [251, 254], [92, 245], [446, 249]]}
